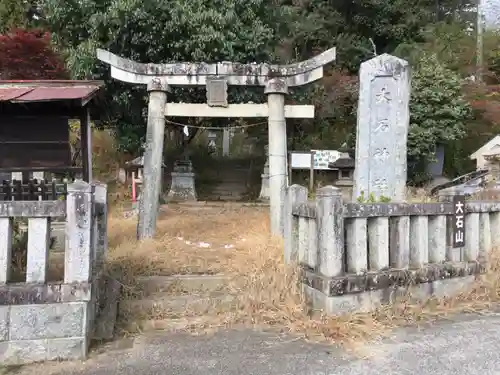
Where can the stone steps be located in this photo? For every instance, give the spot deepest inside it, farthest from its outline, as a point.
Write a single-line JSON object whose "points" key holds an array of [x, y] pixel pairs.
{"points": [[169, 325], [209, 204], [226, 197], [229, 190], [180, 283], [232, 177], [176, 297], [231, 186], [176, 305]]}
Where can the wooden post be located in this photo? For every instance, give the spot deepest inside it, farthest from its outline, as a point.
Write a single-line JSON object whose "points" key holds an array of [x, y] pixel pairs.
{"points": [[150, 193], [86, 144], [311, 173], [134, 198], [289, 168]]}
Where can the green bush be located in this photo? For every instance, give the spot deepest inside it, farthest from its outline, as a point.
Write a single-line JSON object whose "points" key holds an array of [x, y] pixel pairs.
{"points": [[372, 199]]}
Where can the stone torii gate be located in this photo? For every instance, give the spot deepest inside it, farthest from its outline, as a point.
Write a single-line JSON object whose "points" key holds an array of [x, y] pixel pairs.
{"points": [[276, 79]]}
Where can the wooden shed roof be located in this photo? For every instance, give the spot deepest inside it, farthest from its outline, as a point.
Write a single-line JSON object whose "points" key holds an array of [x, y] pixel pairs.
{"points": [[48, 91]]}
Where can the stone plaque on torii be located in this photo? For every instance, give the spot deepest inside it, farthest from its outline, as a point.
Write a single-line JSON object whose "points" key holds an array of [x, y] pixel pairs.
{"points": [[276, 79]]}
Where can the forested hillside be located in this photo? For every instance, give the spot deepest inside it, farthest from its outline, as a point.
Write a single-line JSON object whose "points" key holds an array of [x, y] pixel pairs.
{"points": [[437, 37]]}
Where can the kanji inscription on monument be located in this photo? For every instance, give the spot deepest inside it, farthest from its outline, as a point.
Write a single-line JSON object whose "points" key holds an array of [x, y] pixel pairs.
{"points": [[217, 92], [382, 128]]}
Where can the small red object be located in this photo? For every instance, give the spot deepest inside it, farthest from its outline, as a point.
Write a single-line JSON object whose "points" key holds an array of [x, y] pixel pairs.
{"points": [[134, 198]]}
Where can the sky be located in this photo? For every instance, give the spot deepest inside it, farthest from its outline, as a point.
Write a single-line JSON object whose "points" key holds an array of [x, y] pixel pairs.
{"points": [[492, 12]]}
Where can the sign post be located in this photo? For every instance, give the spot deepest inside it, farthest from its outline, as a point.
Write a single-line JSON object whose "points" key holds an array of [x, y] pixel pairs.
{"points": [[459, 221]]}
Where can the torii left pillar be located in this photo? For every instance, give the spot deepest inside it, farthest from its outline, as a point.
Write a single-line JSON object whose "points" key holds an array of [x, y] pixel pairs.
{"points": [[276, 90], [153, 159]]}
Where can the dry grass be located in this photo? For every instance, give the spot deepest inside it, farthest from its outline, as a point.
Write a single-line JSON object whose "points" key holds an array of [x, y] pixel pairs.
{"points": [[266, 292]]}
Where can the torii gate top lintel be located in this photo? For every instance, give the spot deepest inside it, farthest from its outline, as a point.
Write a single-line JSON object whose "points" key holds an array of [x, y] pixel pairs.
{"points": [[188, 74]]}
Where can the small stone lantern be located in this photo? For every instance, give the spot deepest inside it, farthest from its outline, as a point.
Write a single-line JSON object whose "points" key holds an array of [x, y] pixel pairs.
{"points": [[182, 187], [492, 158]]}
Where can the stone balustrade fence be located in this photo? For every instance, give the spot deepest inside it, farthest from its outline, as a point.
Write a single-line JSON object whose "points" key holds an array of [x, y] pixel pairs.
{"points": [[42, 320], [356, 256]]}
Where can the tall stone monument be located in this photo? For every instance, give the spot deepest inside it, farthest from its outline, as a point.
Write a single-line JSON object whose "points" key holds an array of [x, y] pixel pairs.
{"points": [[382, 128]]}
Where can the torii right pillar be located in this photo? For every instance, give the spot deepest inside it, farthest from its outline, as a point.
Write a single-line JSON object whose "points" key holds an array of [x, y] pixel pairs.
{"points": [[276, 90]]}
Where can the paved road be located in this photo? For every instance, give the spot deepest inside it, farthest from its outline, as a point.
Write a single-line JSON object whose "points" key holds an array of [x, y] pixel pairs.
{"points": [[466, 345]]}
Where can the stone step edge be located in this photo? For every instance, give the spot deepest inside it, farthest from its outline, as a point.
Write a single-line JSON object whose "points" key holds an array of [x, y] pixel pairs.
{"points": [[219, 204], [153, 284], [172, 303], [172, 325]]}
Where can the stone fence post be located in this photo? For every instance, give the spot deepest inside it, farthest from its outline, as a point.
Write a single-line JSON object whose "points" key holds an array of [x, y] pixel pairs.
{"points": [[295, 195], [330, 221], [78, 257], [100, 226]]}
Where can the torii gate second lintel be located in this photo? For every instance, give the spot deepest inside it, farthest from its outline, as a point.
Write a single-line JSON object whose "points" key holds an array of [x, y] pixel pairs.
{"points": [[216, 77]]}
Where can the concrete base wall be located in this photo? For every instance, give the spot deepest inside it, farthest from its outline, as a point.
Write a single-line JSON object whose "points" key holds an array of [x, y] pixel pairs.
{"points": [[40, 322], [370, 300], [32, 333]]}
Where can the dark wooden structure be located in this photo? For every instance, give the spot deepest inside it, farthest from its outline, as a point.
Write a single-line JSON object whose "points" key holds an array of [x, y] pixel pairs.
{"points": [[34, 126], [32, 191]]}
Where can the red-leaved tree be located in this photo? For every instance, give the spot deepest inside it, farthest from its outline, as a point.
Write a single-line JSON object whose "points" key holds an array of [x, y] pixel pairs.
{"points": [[29, 54]]}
